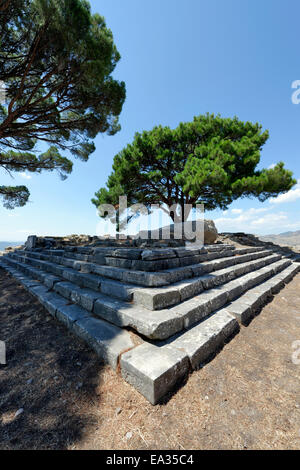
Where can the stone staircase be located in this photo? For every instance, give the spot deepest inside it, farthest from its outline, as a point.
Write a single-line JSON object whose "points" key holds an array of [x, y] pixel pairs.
{"points": [[158, 313]]}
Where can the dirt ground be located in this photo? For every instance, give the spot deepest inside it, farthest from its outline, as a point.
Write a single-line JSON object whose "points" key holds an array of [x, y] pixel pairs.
{"points": [[55, 394]]}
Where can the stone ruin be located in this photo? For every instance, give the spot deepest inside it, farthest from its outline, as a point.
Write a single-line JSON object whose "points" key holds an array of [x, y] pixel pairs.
{"points": [[155, 310]]}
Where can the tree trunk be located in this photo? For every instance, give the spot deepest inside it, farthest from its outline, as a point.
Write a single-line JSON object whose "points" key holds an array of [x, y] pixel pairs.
{"points": [[183, 214]]}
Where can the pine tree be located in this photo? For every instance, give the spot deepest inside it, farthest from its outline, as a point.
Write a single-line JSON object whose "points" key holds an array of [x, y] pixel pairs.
{"points": [[56, 61]]}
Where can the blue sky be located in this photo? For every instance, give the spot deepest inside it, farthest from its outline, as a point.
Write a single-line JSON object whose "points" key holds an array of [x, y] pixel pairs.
{"points": [[182, 58]]}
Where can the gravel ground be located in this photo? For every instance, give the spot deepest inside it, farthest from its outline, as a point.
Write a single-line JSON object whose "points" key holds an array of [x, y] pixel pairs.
{"points": [[55, 394]]}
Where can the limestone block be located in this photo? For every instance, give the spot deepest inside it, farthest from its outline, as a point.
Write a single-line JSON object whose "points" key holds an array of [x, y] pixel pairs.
{"points": [[107, 340], [203, 340], [154, 371], [156, 299]]}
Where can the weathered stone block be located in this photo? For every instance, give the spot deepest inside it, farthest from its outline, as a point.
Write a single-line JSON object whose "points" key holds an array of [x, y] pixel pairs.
{"points": [[130, 253], [203, 340], [199, 269], [142, 278], [52, 259], [153, 324], [50, 280], [178, 274], [31, 242], [107, 340], [241, 310], [141, 265], [81, 257], [69, 263], [189, 251], [117, 289], [217, 297], [90, 281], [64, 289], [54, 269], [275, 284], [119, 262], [190, 260], [189, 288], [219, 247], [72, 276], [52, 302], [99, 259], [84, 249], [109, 309], [291, 271], [38, 291], [154, 371], [264, 291], [107, 271], [83, 266], [158, 254], [84, 297], [228, 274], [209, 281], [253, 300], [27, 282], [103, 251], [193, 310], [155, 265], [235, 288]]}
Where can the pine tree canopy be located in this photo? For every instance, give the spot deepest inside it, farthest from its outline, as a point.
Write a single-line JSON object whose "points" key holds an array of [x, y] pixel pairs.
{"points": [[211, 160], [56, 61]]}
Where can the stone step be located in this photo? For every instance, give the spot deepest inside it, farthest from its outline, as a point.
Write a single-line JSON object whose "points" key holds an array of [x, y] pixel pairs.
{"points": [[154, 325], [126, 279], [138, 253], [169, 276], [189, 312], [245, 307], [203, 340], [162, 324], [199, 307], [74, 263], [152, 299], [137, 259], [155, 369], [162, 297], [58, 265], [107, 340], [183, 257]]}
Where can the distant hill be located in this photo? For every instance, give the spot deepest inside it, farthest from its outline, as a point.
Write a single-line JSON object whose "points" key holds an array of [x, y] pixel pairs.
{"points": [[285, 238], [4, 245]]}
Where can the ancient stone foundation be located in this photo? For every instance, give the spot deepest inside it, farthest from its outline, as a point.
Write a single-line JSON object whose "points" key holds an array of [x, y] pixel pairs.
{"points": [[153, 312]]}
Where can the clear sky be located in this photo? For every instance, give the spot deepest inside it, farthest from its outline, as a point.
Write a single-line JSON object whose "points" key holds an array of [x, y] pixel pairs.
{"points": [[182, 58]]}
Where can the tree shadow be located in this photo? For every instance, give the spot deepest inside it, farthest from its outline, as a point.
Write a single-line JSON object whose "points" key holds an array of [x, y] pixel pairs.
{"points": [[50, 374]]}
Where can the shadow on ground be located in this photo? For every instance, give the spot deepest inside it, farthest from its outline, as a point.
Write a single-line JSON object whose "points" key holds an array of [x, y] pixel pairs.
{"points": [[43, 390]]}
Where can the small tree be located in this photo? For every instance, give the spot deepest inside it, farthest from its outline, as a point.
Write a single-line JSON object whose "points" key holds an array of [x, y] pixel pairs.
{"points": [[210, 160], [56, 61]]}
